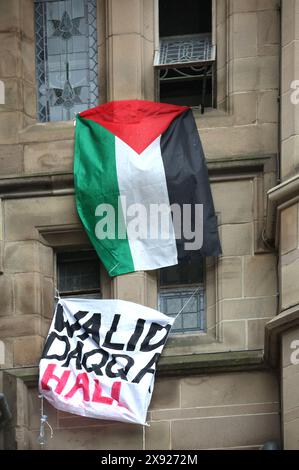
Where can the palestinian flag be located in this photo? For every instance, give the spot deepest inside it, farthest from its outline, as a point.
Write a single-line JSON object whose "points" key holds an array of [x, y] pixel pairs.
{"points": [[132, 156]]}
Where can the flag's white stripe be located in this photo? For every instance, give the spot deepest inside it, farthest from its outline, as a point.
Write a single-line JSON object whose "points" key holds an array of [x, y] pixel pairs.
{"points": [[141, 179]]}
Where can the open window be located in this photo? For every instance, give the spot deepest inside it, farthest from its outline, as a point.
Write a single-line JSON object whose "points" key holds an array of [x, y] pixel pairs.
{"points": [[185, 59], [182, 291]]}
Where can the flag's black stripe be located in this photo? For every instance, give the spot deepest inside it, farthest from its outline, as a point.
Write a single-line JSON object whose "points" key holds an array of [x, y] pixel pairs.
{"points": [[187, 179]]}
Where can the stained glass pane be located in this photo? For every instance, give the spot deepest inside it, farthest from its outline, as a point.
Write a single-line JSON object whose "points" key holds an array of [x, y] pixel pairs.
{"points": [[181, 291], [171, 301], [66, 58]]}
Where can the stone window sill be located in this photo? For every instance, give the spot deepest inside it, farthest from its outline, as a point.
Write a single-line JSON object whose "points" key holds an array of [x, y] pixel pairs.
{"points": [[64, 130], [230, 361], [212, 118], [47, 132]]}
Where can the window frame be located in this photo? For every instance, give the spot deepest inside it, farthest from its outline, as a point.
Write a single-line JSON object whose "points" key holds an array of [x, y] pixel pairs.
{"points": [[98, 292], [214, 66], [190, 288], [101, 58]]}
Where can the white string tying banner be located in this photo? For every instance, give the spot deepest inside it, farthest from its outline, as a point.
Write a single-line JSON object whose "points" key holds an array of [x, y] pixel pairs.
{"points": [[43, 421]]}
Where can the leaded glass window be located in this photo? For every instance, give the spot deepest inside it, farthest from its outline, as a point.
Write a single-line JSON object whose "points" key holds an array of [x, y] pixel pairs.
{"points": [[66, 58], [78, 273], [182, 290]]}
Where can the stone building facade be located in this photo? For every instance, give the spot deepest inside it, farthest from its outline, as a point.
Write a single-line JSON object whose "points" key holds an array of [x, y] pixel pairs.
{"points": [[234, 385]]}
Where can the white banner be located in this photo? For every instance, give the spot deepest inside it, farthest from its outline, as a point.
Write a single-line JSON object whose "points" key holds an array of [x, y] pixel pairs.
{"points": [[100, 358]]}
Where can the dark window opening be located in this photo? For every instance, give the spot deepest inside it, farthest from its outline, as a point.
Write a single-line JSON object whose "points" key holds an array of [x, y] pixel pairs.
{"points": [[185, 61], [181, 289], [78, 273], [177, 17]]}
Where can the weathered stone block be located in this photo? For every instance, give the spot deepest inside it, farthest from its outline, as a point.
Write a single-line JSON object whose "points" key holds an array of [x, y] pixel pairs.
{"points": [[290, 116], [239, 140], [267, 106], [21, 257], [12, 96], [1, 256], [136, 287], [27, 293], [268, 67], [221, 12], [29, 100], [214, 411], [116, 436], [9, 15], [124, 16], [260, 277], [10, 65], [289, 229], [244, 34], [229, 389], [148, 30], [245, 74], [27, 18], [260, 307], [289, 158], [10, 123], [166, 394], [124, 71], [290, 65], [244, 107], [237, 6], [237, 206], [268, 27], [221, 47], [290, 435], [234, 335], [157, 436], [27, 350], [11, 159], [230, 278], [288, 347], [48, 297], [212, 433], [289, 288], [13, 326], [289, 32], [48, 157], [6, 295], [236, 239], [28, 60], [148, 73], [267, 4], [22, 216], [46, 260], [256, 333], [267, 138], [290, 392], [6, 355]]}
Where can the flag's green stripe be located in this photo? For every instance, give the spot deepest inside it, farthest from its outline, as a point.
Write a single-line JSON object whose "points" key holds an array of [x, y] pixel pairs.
{"points": [[96, 183]]}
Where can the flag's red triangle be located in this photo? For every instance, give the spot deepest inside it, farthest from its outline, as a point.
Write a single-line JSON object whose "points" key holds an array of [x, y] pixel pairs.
{"points": [[138, 123]]}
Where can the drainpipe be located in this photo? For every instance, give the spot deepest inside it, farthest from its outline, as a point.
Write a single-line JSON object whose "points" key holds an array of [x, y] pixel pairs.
{"points": [[268, 234], [5, 415], [279, 8]]}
